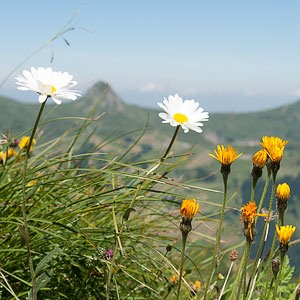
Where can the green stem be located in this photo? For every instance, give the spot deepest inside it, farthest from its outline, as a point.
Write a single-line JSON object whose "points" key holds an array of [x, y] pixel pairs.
{"points": [[184, 238], [25, 230], [264, 237], [278, 277], [238, 276], [252, 193], [218, 238], [281, 219], [274, 238], [112, 264], [264, 193], [244, 270], [226, 280], [164, 157]]}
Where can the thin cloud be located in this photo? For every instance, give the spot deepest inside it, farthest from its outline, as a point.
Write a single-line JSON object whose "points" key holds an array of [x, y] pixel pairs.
{"points": [[249, 93], [152, 87], [297, 93], [192, 91]]}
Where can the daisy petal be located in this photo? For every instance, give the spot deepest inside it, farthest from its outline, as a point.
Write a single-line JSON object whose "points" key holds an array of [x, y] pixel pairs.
{"points": [[48, 83], [185, 113]]}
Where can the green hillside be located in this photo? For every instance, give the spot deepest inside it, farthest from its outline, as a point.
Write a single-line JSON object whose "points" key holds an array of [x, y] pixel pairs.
{"points": [[116, 126], [123, 124], [114, 118]]}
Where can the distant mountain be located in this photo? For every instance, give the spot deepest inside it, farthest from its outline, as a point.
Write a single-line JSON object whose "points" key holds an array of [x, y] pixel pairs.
{"points": [[241, 128], [101, 95], [282, 121]]}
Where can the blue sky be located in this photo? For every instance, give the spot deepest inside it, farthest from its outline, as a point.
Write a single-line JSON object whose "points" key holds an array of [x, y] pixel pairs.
{"points": [[231, 56]]}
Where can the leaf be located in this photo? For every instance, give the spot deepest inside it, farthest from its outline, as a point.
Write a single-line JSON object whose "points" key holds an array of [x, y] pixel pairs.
{"points": [[127, 213], [44, 262]]}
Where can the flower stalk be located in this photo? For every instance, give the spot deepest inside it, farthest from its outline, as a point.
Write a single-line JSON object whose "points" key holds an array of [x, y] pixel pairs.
{"points": [[188, 210], [47, 84], [226, 156], [164, 157], [218, 237], [184, 238], [25, 230]]}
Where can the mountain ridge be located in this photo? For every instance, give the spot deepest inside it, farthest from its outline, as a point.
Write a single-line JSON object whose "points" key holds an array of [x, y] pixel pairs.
{"points": [[221, 128]]}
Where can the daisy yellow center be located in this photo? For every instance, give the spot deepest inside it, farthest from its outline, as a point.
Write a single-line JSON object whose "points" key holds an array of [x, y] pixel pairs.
{"points": [[49, 88], [180, 118]]}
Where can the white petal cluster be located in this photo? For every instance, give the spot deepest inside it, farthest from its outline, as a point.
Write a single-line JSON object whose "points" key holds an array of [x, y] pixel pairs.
{"points": [[192, 115], [48, 83]]}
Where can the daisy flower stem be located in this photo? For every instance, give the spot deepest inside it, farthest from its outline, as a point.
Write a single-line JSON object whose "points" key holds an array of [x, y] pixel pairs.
{"points": [[171, 144], [184, 238], [164, 157], [35, 127], [24, 229]]}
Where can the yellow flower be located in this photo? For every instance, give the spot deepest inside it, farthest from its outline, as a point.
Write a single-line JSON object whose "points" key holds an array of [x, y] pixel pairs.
{"points": [[220, 276], [24, 143], [173, 279], [189, 208], [196, 286], [4, 155], [285, 233], [259, 159], [226, 156], [283, 192], [274, 147], [32, 183], [248, 215]]}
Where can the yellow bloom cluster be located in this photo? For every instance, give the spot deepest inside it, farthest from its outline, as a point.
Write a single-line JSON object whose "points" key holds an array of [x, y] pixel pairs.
{"points": [[189, 208], [283, 192], [259, 159], [226, 156], [11, 152], [24, 143], [5, 155], [285, 233], [248, 215], [274, 147]]}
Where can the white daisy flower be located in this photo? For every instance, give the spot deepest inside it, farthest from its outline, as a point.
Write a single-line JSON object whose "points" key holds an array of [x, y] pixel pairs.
{"points": [[185, 113], [48, 83]]}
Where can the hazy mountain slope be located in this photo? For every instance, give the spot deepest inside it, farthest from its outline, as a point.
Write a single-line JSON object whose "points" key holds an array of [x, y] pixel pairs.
{"points": [[243, 131], [221, 128]]}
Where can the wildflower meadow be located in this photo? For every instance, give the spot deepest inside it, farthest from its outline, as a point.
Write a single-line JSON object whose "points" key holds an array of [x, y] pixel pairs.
{"points": [[97, 224]]}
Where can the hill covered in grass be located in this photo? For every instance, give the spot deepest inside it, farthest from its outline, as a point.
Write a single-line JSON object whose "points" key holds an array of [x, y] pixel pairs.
{"points": [[116, 126], [116, 120], [236, 128]]}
